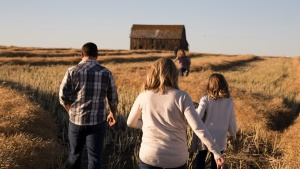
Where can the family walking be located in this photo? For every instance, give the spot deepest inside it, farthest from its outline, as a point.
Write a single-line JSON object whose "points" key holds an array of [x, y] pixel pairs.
{"points": [[161, 110]]}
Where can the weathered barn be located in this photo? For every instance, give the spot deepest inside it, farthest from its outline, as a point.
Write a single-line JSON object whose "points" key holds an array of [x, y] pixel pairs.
{"points": [[158, 37]]}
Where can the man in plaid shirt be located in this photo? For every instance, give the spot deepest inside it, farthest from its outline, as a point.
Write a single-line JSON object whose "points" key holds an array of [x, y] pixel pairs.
{"points": [[83, 94]]}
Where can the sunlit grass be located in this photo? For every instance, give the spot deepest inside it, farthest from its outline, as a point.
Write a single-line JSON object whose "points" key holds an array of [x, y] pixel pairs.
{"points": [[264, 90], [28, 134]]}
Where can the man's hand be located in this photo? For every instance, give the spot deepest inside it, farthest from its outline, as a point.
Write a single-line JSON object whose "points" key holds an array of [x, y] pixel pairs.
{"points": [[111, 119]]}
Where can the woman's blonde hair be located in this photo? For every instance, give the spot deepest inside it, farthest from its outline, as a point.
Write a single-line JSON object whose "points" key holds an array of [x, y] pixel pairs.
{"points": [[162, 74], [217, 87]]}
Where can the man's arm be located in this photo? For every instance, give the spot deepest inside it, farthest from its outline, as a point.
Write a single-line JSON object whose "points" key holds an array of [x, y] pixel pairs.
{"points": [[64, 91], [112, 97]]}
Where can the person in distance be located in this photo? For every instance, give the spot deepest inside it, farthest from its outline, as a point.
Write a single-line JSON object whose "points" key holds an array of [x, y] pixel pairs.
{"points": [[184, 62]]}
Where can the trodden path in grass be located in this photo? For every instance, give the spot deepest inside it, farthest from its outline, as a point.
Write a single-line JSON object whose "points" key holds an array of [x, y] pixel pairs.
{"points": [[28, 134]]}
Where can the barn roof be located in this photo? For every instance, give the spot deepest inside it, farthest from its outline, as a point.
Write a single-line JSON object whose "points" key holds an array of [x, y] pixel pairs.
{"points": [[157, 31]]}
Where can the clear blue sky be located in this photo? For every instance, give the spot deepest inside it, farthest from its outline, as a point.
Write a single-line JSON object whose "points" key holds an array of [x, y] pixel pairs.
{"points": [[259, 27]]}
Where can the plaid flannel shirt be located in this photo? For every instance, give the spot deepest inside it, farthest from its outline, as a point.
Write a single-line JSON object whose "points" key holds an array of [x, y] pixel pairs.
{"points": [[85, 88]]}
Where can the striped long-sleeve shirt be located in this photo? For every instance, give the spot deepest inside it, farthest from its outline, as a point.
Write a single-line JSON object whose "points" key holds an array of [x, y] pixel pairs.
{"points": [[85, 88]]}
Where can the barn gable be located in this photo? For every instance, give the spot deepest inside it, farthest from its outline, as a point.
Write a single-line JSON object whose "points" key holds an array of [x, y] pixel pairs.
{"points": [[158, 37]]}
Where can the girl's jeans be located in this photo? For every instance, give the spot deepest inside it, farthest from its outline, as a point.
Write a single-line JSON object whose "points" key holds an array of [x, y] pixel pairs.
{"points": [[200, 159]]}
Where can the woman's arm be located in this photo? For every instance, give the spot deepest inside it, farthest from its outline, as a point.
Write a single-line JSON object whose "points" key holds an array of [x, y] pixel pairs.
{"points": [[199, 128], [134, 118], [201, 131]]}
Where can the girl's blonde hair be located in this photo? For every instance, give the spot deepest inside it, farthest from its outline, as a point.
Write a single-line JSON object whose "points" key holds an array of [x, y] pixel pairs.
{"points": [[217, 87], [180, 53], [162, 74]]}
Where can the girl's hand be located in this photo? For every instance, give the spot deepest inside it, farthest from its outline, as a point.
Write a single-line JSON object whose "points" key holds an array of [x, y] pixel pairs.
{"points": [[220, 163]]}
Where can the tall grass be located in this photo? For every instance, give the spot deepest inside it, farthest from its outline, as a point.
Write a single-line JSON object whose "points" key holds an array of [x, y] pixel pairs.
{"points": [[260, 87]]}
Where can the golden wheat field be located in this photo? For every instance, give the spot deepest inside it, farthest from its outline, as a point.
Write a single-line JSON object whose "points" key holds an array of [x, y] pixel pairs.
{"points": [[33, 126]]}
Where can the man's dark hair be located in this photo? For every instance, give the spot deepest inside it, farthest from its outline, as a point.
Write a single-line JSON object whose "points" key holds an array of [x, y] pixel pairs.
{"points": [[90, 49]]}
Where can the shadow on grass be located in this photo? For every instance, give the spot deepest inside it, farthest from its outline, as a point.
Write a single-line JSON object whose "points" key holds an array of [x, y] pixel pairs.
{"points": [[42, 124], [72, 61], [39, 62], [280, 117], [61, 52], [281, 120], [119, 59], [69, 59], [49, 102], [224, 66]]}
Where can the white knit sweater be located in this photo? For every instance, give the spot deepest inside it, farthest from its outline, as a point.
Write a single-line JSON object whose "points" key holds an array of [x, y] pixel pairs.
{"points": [[161, 117], [219, 120]]}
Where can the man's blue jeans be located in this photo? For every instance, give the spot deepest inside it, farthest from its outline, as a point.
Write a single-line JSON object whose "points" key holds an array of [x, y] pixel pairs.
{"points": [[90, 135]]}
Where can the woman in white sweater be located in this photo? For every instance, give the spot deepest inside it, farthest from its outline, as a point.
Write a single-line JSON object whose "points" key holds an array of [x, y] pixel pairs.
{"points": [[159, 110], [216, 110]]}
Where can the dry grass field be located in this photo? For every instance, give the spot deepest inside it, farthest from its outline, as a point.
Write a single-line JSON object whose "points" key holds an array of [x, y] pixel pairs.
{"points": [[33, 126]]}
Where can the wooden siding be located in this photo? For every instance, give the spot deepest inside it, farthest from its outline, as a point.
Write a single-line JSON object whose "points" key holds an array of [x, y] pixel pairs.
{"points": [[158, 37], [154, 44]]}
